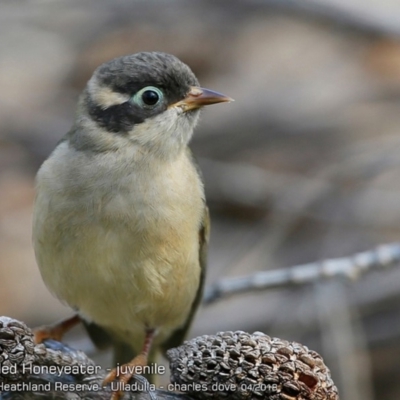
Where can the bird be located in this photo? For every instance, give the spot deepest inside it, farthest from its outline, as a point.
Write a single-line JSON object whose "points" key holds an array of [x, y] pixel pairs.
{"points": [[120, 221]]}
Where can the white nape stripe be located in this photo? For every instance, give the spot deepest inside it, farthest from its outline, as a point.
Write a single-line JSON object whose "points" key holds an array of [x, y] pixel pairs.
{"points": [[103, 96]]}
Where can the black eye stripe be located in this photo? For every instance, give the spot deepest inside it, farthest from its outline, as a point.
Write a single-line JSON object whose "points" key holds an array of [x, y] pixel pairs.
{"points": [[118, 118]]}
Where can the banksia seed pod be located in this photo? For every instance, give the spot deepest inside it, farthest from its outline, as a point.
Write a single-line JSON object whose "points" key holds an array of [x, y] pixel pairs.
{"points": [[19, 353], [16, 349], [238, 365]]}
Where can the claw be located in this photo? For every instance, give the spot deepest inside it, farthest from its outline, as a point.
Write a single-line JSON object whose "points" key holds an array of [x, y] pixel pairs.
{"points": [[125, 377]]}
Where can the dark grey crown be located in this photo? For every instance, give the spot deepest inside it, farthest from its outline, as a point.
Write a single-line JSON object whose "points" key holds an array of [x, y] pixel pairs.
{"points": [[131, 73]]}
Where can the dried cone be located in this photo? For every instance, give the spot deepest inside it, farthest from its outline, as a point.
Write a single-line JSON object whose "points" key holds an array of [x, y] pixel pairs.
{"points": [[16, 349], [238, 365]]}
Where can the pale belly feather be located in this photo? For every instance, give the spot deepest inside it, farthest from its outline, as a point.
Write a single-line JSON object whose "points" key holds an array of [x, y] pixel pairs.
{"points": [[125, 256]]}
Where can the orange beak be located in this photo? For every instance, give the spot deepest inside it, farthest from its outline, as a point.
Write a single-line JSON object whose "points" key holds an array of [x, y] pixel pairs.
{"points": [[200, 97]]}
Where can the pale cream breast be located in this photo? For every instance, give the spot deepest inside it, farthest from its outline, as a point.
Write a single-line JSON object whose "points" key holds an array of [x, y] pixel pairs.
{"points": [[117, 242]]}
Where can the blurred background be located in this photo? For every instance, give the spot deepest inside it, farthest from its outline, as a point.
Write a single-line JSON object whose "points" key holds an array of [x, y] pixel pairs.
{"points": [[303, 166]]}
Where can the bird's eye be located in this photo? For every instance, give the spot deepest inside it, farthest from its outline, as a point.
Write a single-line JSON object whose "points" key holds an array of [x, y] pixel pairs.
{"points": [[148, 97]]}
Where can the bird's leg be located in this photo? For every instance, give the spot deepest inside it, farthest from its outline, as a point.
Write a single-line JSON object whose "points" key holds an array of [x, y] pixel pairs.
{"points": [[131, 367], [55, 331]]}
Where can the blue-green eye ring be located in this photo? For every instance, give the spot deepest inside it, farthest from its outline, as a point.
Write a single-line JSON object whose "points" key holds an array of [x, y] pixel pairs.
{"points": [[148, 97]]}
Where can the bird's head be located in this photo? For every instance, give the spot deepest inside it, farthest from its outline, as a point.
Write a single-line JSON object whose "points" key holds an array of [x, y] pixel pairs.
{"points": [[149, 100]]}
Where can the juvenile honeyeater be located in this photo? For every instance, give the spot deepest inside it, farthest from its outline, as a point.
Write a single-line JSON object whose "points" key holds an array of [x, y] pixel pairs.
{"points": [[120, 224]]}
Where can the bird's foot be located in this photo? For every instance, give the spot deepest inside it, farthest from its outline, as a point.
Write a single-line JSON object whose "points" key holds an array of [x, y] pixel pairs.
{"points": [[124, 373], [55, 331]]}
